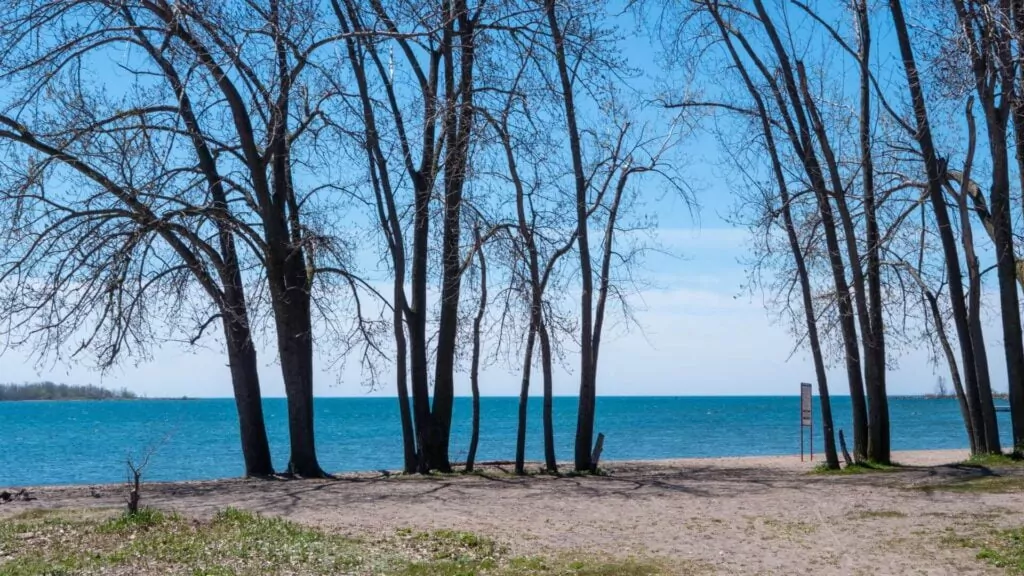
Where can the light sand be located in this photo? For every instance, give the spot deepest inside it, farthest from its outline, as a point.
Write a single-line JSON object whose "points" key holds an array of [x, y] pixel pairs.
{"points": [[731, 515]]}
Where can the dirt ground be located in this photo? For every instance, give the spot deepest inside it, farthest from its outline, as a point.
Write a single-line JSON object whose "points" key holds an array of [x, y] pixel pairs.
{"points": [[725, 516]]}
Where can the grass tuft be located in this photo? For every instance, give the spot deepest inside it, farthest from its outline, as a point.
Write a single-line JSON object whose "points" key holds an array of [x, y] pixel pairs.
{"points": [[1000, 548], [994, 460], [866, 467], [1005, 550], [144, 518]]}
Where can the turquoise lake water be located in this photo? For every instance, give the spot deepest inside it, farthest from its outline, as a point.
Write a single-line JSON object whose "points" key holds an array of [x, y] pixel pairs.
{"points": [[86, 442]]}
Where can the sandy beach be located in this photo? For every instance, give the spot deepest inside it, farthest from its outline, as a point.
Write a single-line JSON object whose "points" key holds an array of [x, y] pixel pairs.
{"points": [[759, 515]]}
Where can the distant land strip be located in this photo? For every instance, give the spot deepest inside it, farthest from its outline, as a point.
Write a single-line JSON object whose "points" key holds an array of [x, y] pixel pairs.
{"points": [[54, 391]]}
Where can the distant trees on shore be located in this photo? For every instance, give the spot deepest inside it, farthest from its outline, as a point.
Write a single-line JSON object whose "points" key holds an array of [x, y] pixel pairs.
{"points": [[54, 391]]}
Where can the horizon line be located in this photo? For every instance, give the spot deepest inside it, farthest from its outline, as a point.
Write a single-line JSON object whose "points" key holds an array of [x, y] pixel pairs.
{"points": [[369, 397]]}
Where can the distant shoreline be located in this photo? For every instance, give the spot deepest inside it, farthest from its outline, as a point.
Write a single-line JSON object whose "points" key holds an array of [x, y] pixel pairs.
{"points": [[13, 400], [53, 391]]}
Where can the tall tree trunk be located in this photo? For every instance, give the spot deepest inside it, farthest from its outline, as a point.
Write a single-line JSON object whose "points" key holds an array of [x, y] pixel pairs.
{"points": [[234, 308], [1015, 95], [859, 296], [392, 228], [994, 75], [936, 174], [474, 370], [874, 352], [800, 136], [457, 129], [417, 323], [248, 400], [1013, 343], [977, 425], [588, 393], [401, 382], [550, 462], [1007, 275], [524, 398], [954, 372], [296, 348], [831, 456]]}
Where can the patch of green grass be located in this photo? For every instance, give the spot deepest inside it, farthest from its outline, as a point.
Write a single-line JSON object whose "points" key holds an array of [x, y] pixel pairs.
{"points": [[994, 460], [144, 518], [1005, 550], [240, 543], [39, 566], [1000, 548], [866, 467]]}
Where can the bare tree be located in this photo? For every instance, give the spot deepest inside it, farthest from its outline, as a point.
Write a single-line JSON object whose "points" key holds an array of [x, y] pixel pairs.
{"points": [[474, 371], [988, 36], [245, 102], [438, 49], [935, 169], [135, 206], [785, 208]]}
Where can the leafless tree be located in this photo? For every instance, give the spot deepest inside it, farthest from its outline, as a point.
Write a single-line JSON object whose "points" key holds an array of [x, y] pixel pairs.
{"points": [[236, 88], [986, 437], [429, 123]]}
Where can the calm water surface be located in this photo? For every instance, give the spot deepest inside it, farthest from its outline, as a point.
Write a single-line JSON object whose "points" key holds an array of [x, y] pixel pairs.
{"points": [[86, 442]]}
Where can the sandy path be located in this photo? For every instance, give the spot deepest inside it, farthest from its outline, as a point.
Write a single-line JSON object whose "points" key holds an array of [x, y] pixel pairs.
{"points": [[733, 515]]}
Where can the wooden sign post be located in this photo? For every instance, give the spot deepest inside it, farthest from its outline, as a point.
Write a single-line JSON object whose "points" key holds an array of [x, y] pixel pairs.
{"points": [[806, 418]]}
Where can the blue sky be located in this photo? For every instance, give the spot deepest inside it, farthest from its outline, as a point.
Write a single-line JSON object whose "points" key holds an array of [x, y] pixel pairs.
{"points": [[700, 332]]}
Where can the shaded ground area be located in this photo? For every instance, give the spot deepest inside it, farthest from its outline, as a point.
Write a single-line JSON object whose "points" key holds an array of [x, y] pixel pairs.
{"points": [[730, 516]]}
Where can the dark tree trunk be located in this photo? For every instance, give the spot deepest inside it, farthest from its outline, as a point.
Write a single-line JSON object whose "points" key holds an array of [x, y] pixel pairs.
{"points": [[538, 284], [935, 170], [979, 441], [474, 370], [1006, 266], [588, 394], [870, 375], [297, 369], [800, 136], [954, 372], [457, 129], [418, 329], [524, 398], [1013, 344], [1016, 388], [234, 309], [550, 462], [295, 343], [248, 400], [879, 444], [391, 226], [994, 75], [831, 457], [401, 382]]}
